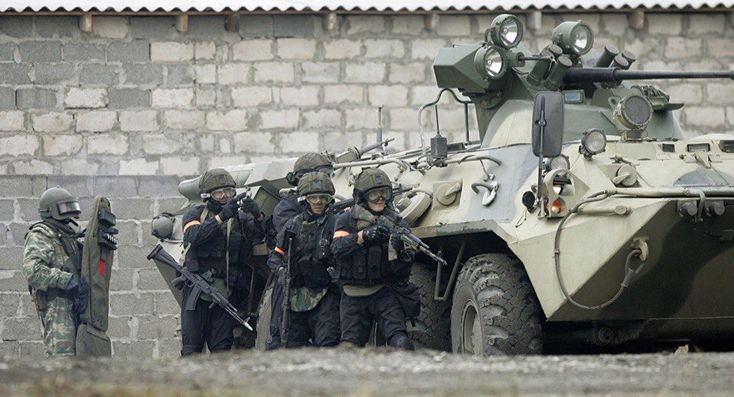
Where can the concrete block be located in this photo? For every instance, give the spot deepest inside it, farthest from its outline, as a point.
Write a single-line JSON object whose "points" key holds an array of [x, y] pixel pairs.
{"points": [[99, 74], [15, 186], [666, 24], [253, 50], [17, 328], [721, 47], [153, 327], [7, 209], [705, 117], [719, 94], [299, 142], [13, 281], [686, 93], [12, 120], [384, 49], [298, 49], [127, 98], [342, 49], [205, 97], [33, 167], [454, 25], [180, 75], [410, 73], [706, 23], [12, 257], [143, 74], [360, 118], [359, 24], [679, 47], [404, 119], [35, 98], [158, 186], [7, 52], [233, 73], [85, 98], [273, 119], [7, 98], [412, 25], [32, 350], [80, 186], [9, 306], [161, 144], [54, 73], [171, 51], [107, 144], [165, 304], [79, 167], [17, 232], [249, 142], [62, 145], [16, 26], [39, 51], [169, 348], [131, 257], [132, 208], [14, 74], [294, 25], [181, 166], [730, 116], [138, 167], [223, 161], [370, 72], [205, 74], [143, 120], [11, 349], [233, 120], [83, 52], [322, 118], [19, 145], [29, 208], [153, 27], [343, 93], [110, 27], [251, 96], [320, 72], [133, 51], [57, 26], [134, 349], [256, 26], [426, 48], [172, 98], [96, 121], [118, 327], [114, 186], [129, 233], [169, 204], [205, 50], [52, 122], [298, 96], [185, 119], [387, 95], [209, 26]]}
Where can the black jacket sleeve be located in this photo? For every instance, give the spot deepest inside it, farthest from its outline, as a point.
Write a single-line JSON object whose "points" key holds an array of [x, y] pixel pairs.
{"points": [[197, 233], [404, 262], [277, 256], [344, 241]]}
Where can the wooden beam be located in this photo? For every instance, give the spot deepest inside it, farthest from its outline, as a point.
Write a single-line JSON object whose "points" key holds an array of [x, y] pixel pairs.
{"points": [[636, 19], [232, 23], [535, 20], [85, 23], [182, 23], [431, 21], [331, 22]]}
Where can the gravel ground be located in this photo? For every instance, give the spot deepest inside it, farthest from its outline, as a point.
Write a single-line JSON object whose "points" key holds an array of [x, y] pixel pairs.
{"points": [[374, 372]]}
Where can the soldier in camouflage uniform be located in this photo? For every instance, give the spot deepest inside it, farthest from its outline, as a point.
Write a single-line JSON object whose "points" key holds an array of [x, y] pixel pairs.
{"points": [[285, 210], [314, 299], [52, 264]]}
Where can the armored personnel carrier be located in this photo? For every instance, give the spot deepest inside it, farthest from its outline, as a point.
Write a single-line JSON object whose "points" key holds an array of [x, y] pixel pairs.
{"points": [[580, 215]]}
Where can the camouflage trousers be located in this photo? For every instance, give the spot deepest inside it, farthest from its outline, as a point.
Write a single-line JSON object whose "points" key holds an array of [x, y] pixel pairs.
{"points": [[59, 333]]}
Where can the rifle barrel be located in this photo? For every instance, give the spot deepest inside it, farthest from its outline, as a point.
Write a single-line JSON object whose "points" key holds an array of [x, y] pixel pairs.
{"points": [[602, 75]]}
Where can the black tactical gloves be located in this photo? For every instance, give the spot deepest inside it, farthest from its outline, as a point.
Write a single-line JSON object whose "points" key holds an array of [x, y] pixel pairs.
{"points": [[229, 210], [250, 206], [376, 232], [78, 290]]}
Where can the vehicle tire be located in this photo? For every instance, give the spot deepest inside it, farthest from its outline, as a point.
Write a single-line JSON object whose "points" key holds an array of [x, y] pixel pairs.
{"points": [[432, 328], [263, 320], [494, 309]]}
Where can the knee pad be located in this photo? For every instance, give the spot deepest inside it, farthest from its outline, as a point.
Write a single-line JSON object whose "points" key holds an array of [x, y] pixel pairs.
{"points": [[401, 341]]}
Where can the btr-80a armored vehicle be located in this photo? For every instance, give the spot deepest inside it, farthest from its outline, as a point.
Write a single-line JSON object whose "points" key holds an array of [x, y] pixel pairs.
{"points": [[581, 217]]}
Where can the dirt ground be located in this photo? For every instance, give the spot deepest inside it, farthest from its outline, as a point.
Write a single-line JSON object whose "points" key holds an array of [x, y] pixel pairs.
{"points": [[374, 372]]}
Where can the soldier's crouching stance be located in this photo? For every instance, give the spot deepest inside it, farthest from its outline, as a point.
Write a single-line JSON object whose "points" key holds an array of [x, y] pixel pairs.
{"points": [[52, 260], [361, 248], [313, 298], [218, 240]]}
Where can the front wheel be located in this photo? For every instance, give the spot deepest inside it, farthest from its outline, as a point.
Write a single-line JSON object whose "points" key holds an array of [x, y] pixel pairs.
{"points": [[495, 310]]}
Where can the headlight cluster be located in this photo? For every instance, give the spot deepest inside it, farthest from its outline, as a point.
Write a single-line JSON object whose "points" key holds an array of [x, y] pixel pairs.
{"points": [[504, 34], [573, 37]]}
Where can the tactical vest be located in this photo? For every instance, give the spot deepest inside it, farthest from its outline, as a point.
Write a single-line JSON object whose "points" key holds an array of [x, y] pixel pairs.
{"points": [[369, 264], [218, 253], [311, 254], [67, 250]]}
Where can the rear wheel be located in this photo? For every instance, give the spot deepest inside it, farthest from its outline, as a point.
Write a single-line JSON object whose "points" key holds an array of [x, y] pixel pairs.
{"points": [[432, 328], [263, 320], [494, 309]]}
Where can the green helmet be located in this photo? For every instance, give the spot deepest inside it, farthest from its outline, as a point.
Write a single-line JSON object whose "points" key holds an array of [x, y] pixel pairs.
{"points": [[370, 179], [309, 162], [215, 178], [315, 182], [57, 203]]}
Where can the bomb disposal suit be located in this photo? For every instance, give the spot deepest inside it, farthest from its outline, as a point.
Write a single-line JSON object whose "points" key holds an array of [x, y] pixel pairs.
{"points": [[218, 238]]}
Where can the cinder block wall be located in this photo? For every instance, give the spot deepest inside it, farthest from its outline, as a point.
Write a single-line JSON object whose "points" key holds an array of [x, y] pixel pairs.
{"points": [[130, 108]]}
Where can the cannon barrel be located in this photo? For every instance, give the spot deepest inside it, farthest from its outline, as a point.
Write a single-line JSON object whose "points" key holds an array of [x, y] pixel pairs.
{"points": [[608, 75]]}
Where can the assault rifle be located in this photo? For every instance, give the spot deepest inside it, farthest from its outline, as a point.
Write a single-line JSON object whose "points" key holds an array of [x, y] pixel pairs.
{"points": [[410, 240], [339, 206], [286, 296], [198, 284]]}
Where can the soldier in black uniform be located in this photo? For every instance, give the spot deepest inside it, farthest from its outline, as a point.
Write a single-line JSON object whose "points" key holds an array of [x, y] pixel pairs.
{"points": [[287, 208], [305, 239], [218, 239], [368, 261]]}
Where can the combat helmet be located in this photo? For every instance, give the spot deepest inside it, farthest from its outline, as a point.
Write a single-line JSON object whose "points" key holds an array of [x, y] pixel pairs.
{"points": [[372, 179], [213, 179], [57, 203], [315, 183], [309, 162]]}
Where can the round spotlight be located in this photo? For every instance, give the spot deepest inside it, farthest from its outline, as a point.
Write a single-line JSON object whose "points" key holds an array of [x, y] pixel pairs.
{"points": [[491, 62], [560, 162], [593, 141], [574, 37], [506, 31], [634, 112]]}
